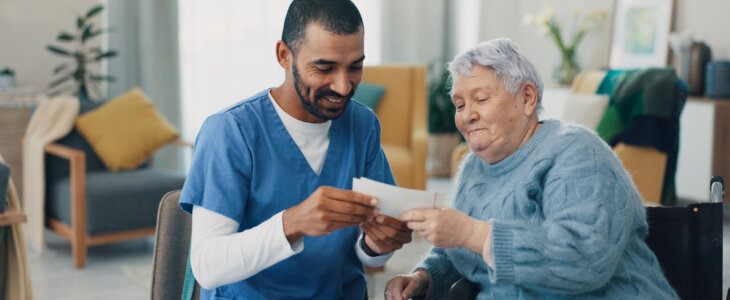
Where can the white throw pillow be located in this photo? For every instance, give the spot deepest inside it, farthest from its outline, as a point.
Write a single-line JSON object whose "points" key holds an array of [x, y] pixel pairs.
{"points": [[584, 109]]}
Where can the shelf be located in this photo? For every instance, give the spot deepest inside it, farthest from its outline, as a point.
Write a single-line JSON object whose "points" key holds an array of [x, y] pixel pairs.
{"points": [[12, 217]]}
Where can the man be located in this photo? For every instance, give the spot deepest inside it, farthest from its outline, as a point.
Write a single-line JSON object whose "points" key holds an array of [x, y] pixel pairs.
{"points": [[268, 187]]}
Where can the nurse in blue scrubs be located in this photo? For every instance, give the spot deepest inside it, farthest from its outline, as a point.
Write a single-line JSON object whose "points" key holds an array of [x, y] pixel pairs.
{"points": [[269, 185]]}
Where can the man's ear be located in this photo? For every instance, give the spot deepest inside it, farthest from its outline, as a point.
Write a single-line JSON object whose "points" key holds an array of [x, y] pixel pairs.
{"points": [[283, 55], [529, 95]]}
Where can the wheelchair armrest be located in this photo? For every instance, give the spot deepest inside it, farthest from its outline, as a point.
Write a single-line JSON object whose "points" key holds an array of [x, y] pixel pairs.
{"points": [[464, 289]]}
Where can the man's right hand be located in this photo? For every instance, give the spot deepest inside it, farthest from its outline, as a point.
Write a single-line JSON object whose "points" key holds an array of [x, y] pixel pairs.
{"points": [[326, 210]]}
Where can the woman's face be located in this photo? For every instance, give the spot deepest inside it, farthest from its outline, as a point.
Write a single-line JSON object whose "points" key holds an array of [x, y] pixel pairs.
{"points": [[494, 123]]}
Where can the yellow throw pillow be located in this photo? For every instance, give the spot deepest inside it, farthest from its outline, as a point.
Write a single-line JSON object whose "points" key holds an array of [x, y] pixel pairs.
{"points": [[125, 131]]}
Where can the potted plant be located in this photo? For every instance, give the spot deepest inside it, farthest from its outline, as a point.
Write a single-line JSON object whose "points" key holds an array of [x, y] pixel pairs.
{"points": [[7, 78], [82, 56], [443, 134]]}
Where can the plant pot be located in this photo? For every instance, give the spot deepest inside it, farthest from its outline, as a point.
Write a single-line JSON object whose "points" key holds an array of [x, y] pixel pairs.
{"points": [[7, 82], [440, 147]]}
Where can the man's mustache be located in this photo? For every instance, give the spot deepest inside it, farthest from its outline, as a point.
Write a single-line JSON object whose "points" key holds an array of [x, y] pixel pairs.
{"points": [[326, 93]]}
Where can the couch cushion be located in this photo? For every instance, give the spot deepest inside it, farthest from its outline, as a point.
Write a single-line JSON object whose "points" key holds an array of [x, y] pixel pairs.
{"points": [[115, 200], [584, 109], [57, 167], [369, 94], [126, 130]]}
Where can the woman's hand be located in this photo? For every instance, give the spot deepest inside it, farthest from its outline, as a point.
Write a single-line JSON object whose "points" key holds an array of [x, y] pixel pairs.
{"points": [[407, 286], [447, 228]]}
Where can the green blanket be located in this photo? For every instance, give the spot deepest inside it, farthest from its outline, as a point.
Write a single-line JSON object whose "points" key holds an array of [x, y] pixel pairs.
{"points": [[644, 92]]}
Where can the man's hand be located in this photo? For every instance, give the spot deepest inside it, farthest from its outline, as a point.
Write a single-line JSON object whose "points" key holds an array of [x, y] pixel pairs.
{"points": [[448, 228], [326, 210], [385, 234]]}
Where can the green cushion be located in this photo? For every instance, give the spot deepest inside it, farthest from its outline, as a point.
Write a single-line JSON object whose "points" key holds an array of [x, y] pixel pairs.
{"points": [[369, 94]]}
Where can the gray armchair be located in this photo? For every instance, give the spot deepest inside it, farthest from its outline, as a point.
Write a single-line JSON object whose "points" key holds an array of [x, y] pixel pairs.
{"points": [[89, 205]]}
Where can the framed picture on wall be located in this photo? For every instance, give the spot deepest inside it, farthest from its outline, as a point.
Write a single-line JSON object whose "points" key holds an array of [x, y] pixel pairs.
{"points": [[640, 33]]}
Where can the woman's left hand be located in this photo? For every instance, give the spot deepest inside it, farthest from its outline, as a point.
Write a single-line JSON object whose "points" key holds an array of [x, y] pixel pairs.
{"points": [[447, 228]]}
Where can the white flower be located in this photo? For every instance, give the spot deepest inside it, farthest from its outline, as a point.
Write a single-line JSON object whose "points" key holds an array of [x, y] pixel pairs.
{"points": [[547, 12]]}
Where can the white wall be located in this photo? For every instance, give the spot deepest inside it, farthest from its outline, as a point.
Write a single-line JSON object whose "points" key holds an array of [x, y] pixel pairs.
{"points": [[706, 18], [504, 19], [26, 27], [709, 21], [413, 31]]}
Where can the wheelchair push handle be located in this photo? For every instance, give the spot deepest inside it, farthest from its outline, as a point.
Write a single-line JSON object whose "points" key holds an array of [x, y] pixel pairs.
{"points": [[717, 189]]}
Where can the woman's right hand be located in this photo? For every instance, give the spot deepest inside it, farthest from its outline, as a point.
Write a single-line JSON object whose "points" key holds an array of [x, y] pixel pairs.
{"points": [[403, 287]]}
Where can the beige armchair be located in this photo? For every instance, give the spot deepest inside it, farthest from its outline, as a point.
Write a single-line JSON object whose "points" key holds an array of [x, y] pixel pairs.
{"points": [[402, 114]]}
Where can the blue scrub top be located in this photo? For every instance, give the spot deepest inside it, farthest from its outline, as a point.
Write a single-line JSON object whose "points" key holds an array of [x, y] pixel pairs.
{"points": [[247, 167]]}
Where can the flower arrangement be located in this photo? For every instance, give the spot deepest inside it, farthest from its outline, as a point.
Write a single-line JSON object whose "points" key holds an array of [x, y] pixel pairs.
{"points": [[546, 23]]}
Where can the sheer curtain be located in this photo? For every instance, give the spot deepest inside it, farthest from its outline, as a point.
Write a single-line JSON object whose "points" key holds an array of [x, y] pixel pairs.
{"points": [[227, 52], [145, 35]]}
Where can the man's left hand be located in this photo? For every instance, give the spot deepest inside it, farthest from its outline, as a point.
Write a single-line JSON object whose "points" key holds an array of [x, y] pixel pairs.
{"points": [[385, 234]]}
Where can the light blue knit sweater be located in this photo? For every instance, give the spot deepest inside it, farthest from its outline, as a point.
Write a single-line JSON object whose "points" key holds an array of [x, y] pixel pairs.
{"points": [[567, 222]]}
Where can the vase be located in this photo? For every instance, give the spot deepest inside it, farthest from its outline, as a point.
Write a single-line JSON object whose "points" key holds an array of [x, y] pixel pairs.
{"points": [[440, 148], [566, 71]]}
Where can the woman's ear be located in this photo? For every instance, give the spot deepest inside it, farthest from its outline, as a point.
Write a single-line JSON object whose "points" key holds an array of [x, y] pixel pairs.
{"points": [[529, 96], [283, 55]]}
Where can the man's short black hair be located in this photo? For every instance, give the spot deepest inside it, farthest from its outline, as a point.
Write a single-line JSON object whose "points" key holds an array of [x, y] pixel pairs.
{"points": [[336, 16]]}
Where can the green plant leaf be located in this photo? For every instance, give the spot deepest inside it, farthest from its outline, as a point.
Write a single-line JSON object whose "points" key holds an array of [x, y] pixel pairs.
{"points": [[102, 78], [80, 22], [94, 10], [66, 37], [59, 51], [60, 68], [94, 33], [86, 33], [59, 81], [108, 54]]}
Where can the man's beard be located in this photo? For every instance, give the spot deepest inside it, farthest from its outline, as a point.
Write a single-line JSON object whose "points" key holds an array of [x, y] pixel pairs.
{"points": [[313, 106]]}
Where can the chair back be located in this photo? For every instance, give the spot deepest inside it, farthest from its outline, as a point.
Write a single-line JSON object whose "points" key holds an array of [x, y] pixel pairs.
{"points": [[403, 106], [687, 241], [172, 244], [58, 168], [4, 182]]}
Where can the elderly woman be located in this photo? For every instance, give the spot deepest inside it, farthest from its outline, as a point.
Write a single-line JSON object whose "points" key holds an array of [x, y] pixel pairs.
{"points": [[542, 210]]}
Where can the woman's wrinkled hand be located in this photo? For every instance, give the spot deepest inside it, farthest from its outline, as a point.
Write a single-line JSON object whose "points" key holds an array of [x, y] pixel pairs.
{"points": [[447, 228], [407, 286]]}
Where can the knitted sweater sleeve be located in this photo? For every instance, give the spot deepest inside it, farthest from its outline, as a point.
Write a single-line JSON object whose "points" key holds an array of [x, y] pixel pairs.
{"points": [[587, 224], [441, 272]]}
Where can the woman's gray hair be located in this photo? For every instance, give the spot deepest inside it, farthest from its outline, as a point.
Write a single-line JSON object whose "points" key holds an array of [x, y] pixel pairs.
{"points": [[503, 56]]}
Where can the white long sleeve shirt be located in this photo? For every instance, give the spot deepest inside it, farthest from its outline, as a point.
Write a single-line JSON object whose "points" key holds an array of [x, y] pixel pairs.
{"points": [[221, 255]]}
